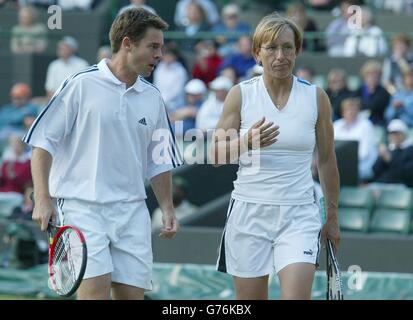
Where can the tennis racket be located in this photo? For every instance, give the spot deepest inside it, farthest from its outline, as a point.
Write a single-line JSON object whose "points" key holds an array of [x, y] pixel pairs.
{"points": [[334, 283], [67, 258]]}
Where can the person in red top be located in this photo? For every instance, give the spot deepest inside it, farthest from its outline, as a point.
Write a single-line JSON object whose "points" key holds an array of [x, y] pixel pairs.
{"points": [[207, 62], [15, 169]]}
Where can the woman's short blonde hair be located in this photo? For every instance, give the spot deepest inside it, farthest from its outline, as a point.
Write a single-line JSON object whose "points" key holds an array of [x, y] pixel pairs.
{"points": [[371, 66], [270, 28]]}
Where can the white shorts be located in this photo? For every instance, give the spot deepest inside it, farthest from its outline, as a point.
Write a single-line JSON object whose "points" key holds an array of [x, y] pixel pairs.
{"points": [[259, 239], [118, 239]]}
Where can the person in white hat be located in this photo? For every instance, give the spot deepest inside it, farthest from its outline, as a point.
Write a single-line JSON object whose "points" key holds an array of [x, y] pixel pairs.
{"points": [[395, 162], [67, 64], [211, 110], [195, 91]]}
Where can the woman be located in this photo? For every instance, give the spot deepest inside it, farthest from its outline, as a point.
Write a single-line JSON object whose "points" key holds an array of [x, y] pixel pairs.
{"points": [[273, 221]]}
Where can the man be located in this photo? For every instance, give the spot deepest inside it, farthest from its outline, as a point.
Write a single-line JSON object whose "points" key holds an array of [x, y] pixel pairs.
{"points": [[98, 138], [67, 64], [12, 115], [395, 162]]}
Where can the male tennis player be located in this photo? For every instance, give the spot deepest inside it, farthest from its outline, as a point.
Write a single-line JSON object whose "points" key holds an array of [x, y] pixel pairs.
{"points": [[94, 144]]}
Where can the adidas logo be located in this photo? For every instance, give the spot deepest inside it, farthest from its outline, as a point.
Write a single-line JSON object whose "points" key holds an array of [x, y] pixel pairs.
{"points": [[142, 121], [309, 252]]}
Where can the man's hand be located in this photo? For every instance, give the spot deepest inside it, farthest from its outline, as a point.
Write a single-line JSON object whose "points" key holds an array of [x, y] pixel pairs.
{"points": [[170, 225], [43, 211], [261, 134]]}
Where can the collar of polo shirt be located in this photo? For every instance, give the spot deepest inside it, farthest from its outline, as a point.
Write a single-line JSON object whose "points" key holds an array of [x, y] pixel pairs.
{"points": [[103, 65]]}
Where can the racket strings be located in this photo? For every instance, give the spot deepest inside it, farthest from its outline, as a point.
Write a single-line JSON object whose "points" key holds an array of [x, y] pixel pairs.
{"points": [[66, 264]]}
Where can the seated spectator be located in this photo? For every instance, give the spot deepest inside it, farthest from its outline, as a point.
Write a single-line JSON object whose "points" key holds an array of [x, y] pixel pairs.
{"points": [[211, 109], [230, 24], [243, 60], [354, 126], [25, 210], [196, 22], [400, 61], [337, 31], [395, 161], [337, 90], [208, 6], [368, 40], [183, 208], [66, 64], [12, 115], [296, 11], [401, 104], [230, 73], [170, 78], [374, 97], [15, 169], [28, 36], [305, 73], [207, 61], [255, 71], [195, 91], [137, 4], [396, 6], [104, 52]]}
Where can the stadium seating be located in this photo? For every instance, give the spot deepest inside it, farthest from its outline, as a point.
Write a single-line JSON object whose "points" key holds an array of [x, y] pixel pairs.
{"points": [[9, 201], [356, 197], [401, 199], [354, 219], [391, 221]]}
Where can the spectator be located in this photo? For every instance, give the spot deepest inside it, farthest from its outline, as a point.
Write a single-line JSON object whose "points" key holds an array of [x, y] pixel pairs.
{"points": [[401, 104], [196, 22], [12, 115], [211, 109], [230, 73], [25, 210], [337, 90], [399, 62], [183, 208], [208, 6], [15, 169], [170, 77], [195, 91], [255, 71], [137, 4], [66, 64], [374, 97], [322, 4], [338, 30], [232, 25], [395, 161], [368, 40], [296, 11], [305, 73], [241, 61], [207, 61], [354, 126], [28, 36], [104, 52]]}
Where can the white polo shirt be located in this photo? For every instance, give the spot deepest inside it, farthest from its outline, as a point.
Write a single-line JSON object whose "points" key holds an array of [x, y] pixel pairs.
{"points": [[102, 137]]}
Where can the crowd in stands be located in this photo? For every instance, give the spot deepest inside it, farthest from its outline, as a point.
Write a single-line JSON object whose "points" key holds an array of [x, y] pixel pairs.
{"points": [[194, 91]]}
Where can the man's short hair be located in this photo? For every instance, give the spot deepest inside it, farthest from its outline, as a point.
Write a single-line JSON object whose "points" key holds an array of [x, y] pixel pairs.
{"points": [[133, 24]]}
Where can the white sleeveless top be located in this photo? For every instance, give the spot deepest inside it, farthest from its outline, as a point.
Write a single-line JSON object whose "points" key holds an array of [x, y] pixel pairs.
{"points": [[279, 174]]}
